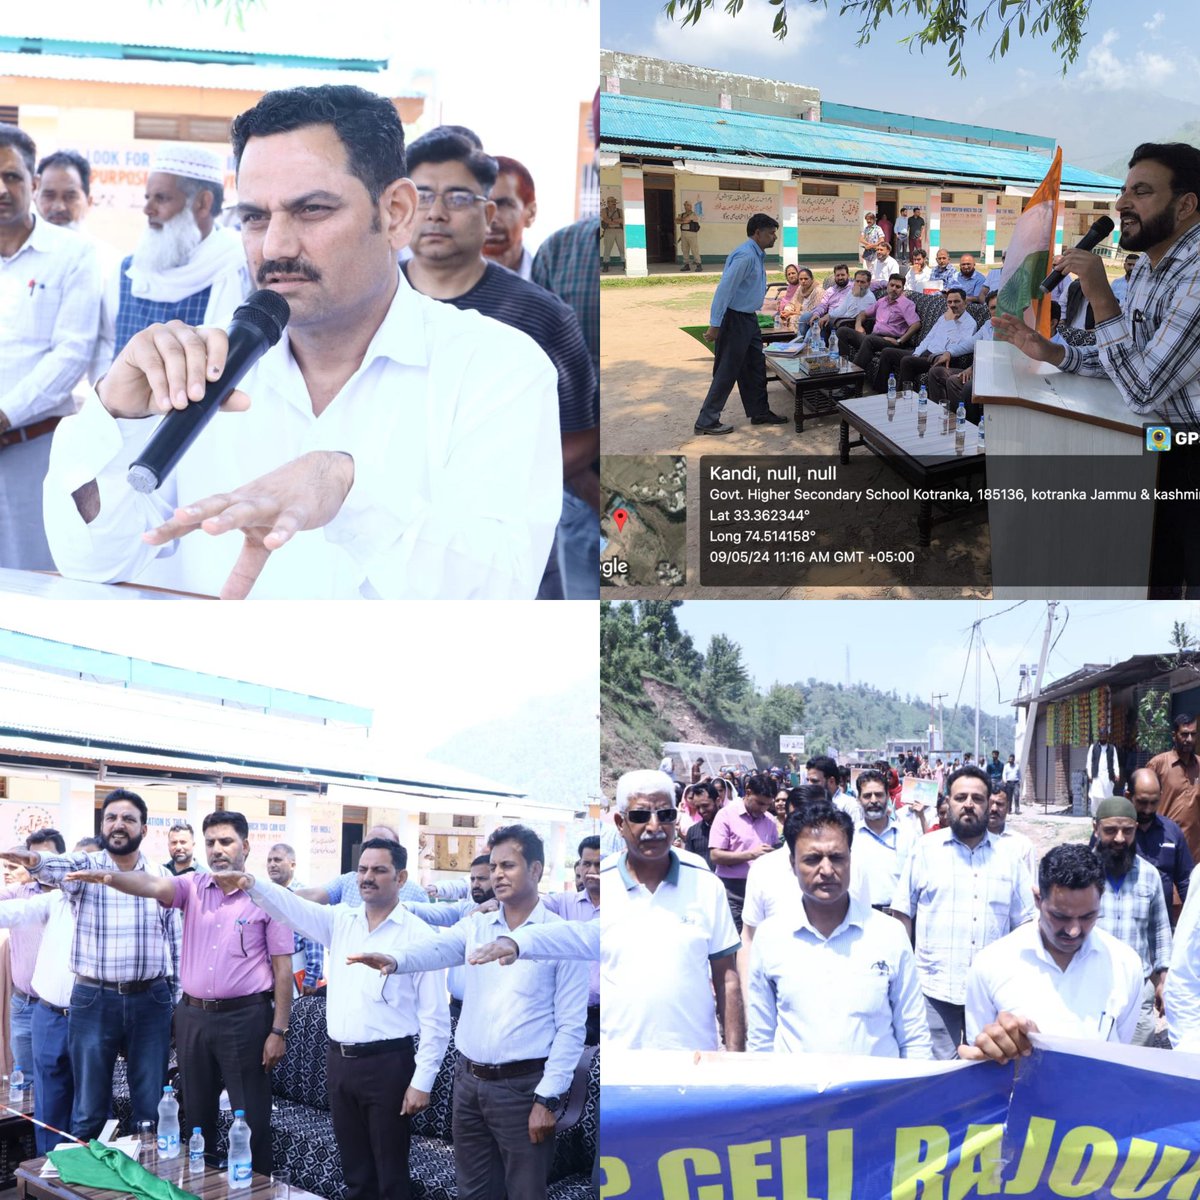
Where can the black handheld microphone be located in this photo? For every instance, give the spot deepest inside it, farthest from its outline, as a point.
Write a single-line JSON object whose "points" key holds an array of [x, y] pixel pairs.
{"points": [[256, 326], [1094, 236]]}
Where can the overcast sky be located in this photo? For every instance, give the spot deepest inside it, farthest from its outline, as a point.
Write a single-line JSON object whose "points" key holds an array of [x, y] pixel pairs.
{"points": [[428, 670], [921, 646]]}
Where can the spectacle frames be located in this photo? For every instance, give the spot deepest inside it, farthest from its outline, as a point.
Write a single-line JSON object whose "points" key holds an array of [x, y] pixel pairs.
{"points": [[641, 816], [455, 200]]}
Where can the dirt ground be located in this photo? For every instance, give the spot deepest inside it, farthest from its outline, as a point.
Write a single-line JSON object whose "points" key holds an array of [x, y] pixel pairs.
{"points": [[654, 378]]}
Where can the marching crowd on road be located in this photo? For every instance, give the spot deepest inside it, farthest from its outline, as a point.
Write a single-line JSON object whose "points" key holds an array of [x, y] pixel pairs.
{"points": [[810, 908]]}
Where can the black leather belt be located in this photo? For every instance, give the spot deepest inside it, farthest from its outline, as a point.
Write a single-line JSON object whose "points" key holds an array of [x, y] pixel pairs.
{"points": [[28, 432], [131, 988], [367, 1049], [229, 1004], [494, 1071], [62, 1012]]}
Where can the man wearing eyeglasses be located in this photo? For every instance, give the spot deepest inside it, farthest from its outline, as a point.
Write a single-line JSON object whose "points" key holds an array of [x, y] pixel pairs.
{"points": [[236, 969], [377, 1079], [669, 941], [454, 213], [388, 446]]}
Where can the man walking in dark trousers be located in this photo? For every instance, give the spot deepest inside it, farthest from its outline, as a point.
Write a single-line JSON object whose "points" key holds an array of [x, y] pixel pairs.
{"points": [[733, 325]]}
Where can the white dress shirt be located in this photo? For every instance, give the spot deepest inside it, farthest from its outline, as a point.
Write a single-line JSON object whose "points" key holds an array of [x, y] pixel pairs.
{"points": [[878, 857], [1181, 996], [1023, 848], [578, 906], [362, 1005], [853, 992], [509, 1014], [770, 887], [445, 915], [656, 949], [53, 978], [49, 319], [1098, 996], [452, 421]]}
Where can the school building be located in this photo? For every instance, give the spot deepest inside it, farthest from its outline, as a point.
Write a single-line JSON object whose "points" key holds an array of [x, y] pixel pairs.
{"points": [[734, 145]]}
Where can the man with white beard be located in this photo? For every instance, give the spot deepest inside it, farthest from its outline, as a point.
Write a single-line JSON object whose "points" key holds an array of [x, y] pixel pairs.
{"points": [[186, 267]]}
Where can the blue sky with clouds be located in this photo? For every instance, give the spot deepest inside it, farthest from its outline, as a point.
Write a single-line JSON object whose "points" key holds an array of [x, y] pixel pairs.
{"points": [[1139, 49]]}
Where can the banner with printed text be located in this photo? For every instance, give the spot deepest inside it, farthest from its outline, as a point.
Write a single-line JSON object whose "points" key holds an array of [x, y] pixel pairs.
{"points": [[1076, 1119], [722, 208]]}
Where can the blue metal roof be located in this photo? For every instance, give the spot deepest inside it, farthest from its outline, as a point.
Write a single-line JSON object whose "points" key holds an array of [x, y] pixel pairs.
{"points": [[905, 123], [668, 129]]}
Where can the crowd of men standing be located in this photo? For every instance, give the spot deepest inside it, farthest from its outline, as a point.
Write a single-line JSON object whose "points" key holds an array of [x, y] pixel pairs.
{"points": [[114, 954], [815, 916], [73, 307]]}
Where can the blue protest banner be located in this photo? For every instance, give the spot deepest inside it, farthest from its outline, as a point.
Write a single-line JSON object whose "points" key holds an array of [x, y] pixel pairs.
{"points": [[1076, 1119], [803, 1127]]}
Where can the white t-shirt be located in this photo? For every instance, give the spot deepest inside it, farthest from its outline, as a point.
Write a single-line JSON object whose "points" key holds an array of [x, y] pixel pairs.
{"points": [[656, 948]]}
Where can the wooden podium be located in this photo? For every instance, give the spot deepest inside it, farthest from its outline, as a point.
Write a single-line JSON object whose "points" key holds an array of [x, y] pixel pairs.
{"points": [[1031, 408]]}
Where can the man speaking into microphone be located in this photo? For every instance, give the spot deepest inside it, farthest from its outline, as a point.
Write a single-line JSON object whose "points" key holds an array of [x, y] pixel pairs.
{"points": [[1150, 346], [387, 446]]}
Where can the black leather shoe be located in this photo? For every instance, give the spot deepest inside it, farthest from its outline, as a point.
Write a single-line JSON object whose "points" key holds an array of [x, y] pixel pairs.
{"points": [[714, 429], [769, 418]]}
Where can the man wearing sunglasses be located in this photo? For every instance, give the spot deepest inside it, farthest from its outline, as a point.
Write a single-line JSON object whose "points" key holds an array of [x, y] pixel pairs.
{"points": [[235, 961], [454, 181], [669, 939]]}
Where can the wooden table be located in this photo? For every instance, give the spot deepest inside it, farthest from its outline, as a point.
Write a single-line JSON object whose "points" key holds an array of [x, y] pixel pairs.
{"points": [[815, 390], [209, 1186], [926, 451]]}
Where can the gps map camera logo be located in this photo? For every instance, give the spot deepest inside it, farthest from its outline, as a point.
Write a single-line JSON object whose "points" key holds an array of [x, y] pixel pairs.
{"points": [[1158, 437]]}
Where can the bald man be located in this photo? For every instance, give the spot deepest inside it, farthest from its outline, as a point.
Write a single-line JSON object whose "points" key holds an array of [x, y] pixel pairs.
{"points": [[1159, 840]]}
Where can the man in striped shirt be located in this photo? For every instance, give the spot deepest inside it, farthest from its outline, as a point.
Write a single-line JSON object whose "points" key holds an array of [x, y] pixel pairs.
{"points": [[125, 957], [1149, 346]]}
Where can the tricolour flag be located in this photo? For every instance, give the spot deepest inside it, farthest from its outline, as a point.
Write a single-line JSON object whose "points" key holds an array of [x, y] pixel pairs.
{"points": [[1027, 260]]}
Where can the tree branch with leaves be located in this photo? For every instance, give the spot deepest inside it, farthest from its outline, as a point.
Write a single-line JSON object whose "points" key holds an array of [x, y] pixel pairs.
{"points": [[944, 22]]}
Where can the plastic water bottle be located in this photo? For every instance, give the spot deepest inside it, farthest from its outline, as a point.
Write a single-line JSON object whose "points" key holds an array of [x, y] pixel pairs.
{"points": [[778, 320], [168, 1124], [834, 352], [240, 1169], [891, 393], [16, 1082], [961, 417], [923, 398], [979, 440], [196, 1153]]}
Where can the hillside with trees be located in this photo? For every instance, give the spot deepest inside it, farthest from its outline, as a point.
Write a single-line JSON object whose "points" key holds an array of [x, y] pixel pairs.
{"points": [[656, 686]]}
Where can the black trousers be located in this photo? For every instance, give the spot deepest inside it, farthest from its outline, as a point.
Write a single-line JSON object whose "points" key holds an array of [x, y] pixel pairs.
{"points": [[224, 1049], [591, 1035], [739, 359], [365, 1095]]}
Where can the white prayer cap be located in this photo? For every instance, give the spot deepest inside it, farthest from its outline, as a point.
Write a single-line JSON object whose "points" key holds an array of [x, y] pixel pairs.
{"points": [[192, 162]]}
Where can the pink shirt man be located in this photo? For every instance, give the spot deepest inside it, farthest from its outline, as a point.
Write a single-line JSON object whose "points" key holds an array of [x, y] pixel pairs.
{"points": [[227, 941], [733, 828], [892, 317]]}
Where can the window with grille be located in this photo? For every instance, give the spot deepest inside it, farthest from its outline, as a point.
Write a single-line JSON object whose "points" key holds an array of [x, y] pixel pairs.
{"points": [[730, 184], [818, 189]]}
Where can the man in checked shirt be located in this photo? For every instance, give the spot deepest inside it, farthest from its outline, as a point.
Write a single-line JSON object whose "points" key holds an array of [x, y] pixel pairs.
{"points": [[961, 890], [125, 957], [1150, 346]]}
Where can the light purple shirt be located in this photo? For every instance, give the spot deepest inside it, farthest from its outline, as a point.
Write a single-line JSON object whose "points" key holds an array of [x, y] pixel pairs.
{"points": [[734, 829], [892, 319], [577, 906], [228, 941], [24, 940]]}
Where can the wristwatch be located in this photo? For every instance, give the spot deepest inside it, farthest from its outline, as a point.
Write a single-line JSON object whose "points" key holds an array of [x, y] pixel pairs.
{"points": [[553, 1103], [280, 1032]]}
